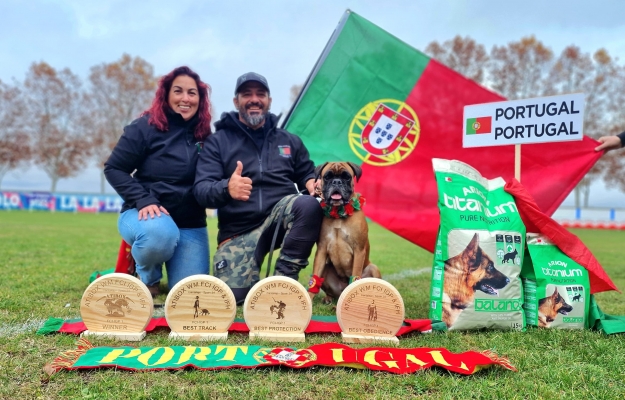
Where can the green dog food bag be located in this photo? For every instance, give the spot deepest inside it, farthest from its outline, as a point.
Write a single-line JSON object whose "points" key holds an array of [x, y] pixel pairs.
{"points": [[479, 251], [557, 289]]}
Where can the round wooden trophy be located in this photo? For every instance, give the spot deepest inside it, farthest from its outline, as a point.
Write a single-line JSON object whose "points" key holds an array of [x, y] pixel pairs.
{"points": [[370, 310], [278, 309], [200, 307], [116, 305]]}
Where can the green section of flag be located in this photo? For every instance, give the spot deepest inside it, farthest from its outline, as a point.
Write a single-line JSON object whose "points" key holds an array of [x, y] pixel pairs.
{"points": [[365, 64], [471, 126]]}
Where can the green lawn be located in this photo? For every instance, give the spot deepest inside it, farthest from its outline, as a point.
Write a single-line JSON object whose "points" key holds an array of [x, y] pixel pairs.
{"points": [[46, 260]]}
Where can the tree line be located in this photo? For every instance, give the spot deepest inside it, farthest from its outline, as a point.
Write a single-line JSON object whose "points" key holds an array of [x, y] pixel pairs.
{"points": [[54, 121], [57, 122]]}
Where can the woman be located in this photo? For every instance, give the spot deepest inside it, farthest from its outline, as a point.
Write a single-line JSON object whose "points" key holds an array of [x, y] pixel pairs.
{"points": [[152, 168]]}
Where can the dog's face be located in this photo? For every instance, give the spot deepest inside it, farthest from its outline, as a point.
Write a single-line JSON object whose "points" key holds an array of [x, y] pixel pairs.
{"points": [[477, 269], [337, 181], [550, 307]]}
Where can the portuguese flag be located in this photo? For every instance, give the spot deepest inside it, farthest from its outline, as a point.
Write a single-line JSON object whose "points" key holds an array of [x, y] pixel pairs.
{"points": [[478, 125], [376, 101]]}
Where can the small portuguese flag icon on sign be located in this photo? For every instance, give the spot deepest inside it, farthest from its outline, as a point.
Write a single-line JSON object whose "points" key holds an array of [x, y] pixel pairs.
{"points": [[478, 125]]}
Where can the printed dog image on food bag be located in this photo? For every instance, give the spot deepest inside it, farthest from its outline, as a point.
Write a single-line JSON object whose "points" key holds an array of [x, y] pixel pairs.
{"points": [[478, 256], [556, 288]]}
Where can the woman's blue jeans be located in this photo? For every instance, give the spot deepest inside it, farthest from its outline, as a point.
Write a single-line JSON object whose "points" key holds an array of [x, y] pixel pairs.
{"points": [[158, 240]]}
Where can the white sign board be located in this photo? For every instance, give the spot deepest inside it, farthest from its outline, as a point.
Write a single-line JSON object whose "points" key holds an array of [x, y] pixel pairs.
{"points": [[539, 120]]}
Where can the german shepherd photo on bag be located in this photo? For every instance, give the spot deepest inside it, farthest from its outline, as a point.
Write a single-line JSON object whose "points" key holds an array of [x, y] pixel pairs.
{"points": [[466, 273], [550, 307]]}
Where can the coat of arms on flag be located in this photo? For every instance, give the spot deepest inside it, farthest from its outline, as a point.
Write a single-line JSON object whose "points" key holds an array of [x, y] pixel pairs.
{"points": [[385, 131]]}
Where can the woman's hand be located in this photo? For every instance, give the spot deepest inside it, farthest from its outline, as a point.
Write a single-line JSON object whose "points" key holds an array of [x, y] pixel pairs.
{"points": [[151, 210]]}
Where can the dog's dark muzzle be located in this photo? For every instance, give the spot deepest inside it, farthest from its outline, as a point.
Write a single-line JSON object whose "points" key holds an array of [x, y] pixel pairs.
{"points": [[338, 186]]}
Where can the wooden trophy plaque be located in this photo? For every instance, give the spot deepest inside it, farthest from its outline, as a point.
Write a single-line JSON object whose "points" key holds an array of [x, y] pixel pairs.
{"points": [[200, 307], [370, 310], [278, 309], [116, 305]]}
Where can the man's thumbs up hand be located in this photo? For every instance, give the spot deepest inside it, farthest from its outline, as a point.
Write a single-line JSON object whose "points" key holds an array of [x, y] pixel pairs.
{"points": [[239, 187]]}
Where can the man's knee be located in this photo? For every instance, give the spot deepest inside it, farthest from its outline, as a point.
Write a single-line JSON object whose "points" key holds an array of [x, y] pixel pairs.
{"points": [[307, 211]]}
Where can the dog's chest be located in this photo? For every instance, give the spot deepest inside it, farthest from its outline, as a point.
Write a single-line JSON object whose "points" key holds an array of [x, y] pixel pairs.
{"points": [[336, 231]]}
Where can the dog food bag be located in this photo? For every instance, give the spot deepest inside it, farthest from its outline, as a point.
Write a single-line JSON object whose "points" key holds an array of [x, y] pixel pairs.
{"points": [[557, 289], [479, 252]]}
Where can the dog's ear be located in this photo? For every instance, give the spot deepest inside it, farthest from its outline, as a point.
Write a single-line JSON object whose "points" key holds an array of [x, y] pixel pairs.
{"points": [[319, 169], [356, 168], [471, 253]]}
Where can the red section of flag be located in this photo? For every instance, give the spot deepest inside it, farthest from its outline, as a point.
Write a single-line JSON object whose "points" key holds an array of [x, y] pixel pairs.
{"points": [[403, 197], [537, 222], [484, 125]]}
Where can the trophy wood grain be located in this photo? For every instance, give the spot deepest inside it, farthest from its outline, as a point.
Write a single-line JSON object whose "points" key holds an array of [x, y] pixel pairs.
{"points": [[116, 305], [277, 309], [200, 305], [347, 338], [370, 310], [130, 337], [278, 337], [199, 336]]}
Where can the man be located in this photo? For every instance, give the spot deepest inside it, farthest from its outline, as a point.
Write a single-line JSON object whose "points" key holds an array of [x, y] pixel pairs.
{"points": [[611, 142], [248, 170]]}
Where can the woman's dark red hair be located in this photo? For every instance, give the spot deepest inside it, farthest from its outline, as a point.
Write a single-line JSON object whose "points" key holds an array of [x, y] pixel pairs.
{"points": [[160, 103]]}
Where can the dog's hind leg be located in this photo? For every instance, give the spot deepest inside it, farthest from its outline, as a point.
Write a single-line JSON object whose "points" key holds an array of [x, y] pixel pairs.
{"points": [[371, 271]]}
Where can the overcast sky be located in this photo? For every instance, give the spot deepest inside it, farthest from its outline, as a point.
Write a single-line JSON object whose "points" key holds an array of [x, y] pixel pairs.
{"points": [[280, 39]]}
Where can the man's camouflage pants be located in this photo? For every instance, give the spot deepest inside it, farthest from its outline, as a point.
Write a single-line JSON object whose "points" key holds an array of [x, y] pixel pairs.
{"points": [[237, 260]]}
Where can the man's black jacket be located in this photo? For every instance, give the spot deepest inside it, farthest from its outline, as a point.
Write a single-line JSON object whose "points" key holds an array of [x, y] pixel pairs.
{"points": [[282, 162]]}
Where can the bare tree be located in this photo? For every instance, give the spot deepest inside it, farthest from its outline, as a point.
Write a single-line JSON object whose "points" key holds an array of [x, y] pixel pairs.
{"points": [[120, 91], [14, 142], [597, 77], [520, 70], [614, 170], [463, 55], [57, 121]]}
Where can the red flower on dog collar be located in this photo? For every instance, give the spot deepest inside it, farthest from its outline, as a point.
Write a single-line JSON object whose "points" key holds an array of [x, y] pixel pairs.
{"points": [[314, 284], [356, 203]]}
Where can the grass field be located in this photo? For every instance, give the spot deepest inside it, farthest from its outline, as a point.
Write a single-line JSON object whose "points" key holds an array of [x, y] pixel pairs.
{"points": [[46, 260]]}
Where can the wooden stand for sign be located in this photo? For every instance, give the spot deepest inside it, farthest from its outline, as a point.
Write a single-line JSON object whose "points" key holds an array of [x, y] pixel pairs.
{"points": [[200, 307], [517, 162], [278, 309], [370, 310], [118, 306]]}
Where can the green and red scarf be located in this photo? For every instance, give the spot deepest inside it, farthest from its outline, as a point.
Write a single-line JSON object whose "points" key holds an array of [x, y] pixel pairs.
{"points": [[212, 357]]}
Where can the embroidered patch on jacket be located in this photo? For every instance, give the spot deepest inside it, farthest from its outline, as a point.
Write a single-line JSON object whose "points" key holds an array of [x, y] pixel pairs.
{"points": [[285, 151], [221, 264]]}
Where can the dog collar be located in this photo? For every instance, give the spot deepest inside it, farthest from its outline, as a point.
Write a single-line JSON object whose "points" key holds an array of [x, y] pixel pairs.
{"points": [[356, 203]]}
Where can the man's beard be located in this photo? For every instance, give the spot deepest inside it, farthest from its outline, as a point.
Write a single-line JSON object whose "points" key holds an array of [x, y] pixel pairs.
{"points": [[252, 120]]}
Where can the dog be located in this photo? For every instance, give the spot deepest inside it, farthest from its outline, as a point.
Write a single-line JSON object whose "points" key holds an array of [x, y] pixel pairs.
{"points": [[343, 245], [469, 271], [510, 256], [550, 307], [577, 297]]}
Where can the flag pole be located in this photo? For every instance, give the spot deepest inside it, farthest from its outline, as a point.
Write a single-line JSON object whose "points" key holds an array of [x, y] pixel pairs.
{"points": [[517, 162]]}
